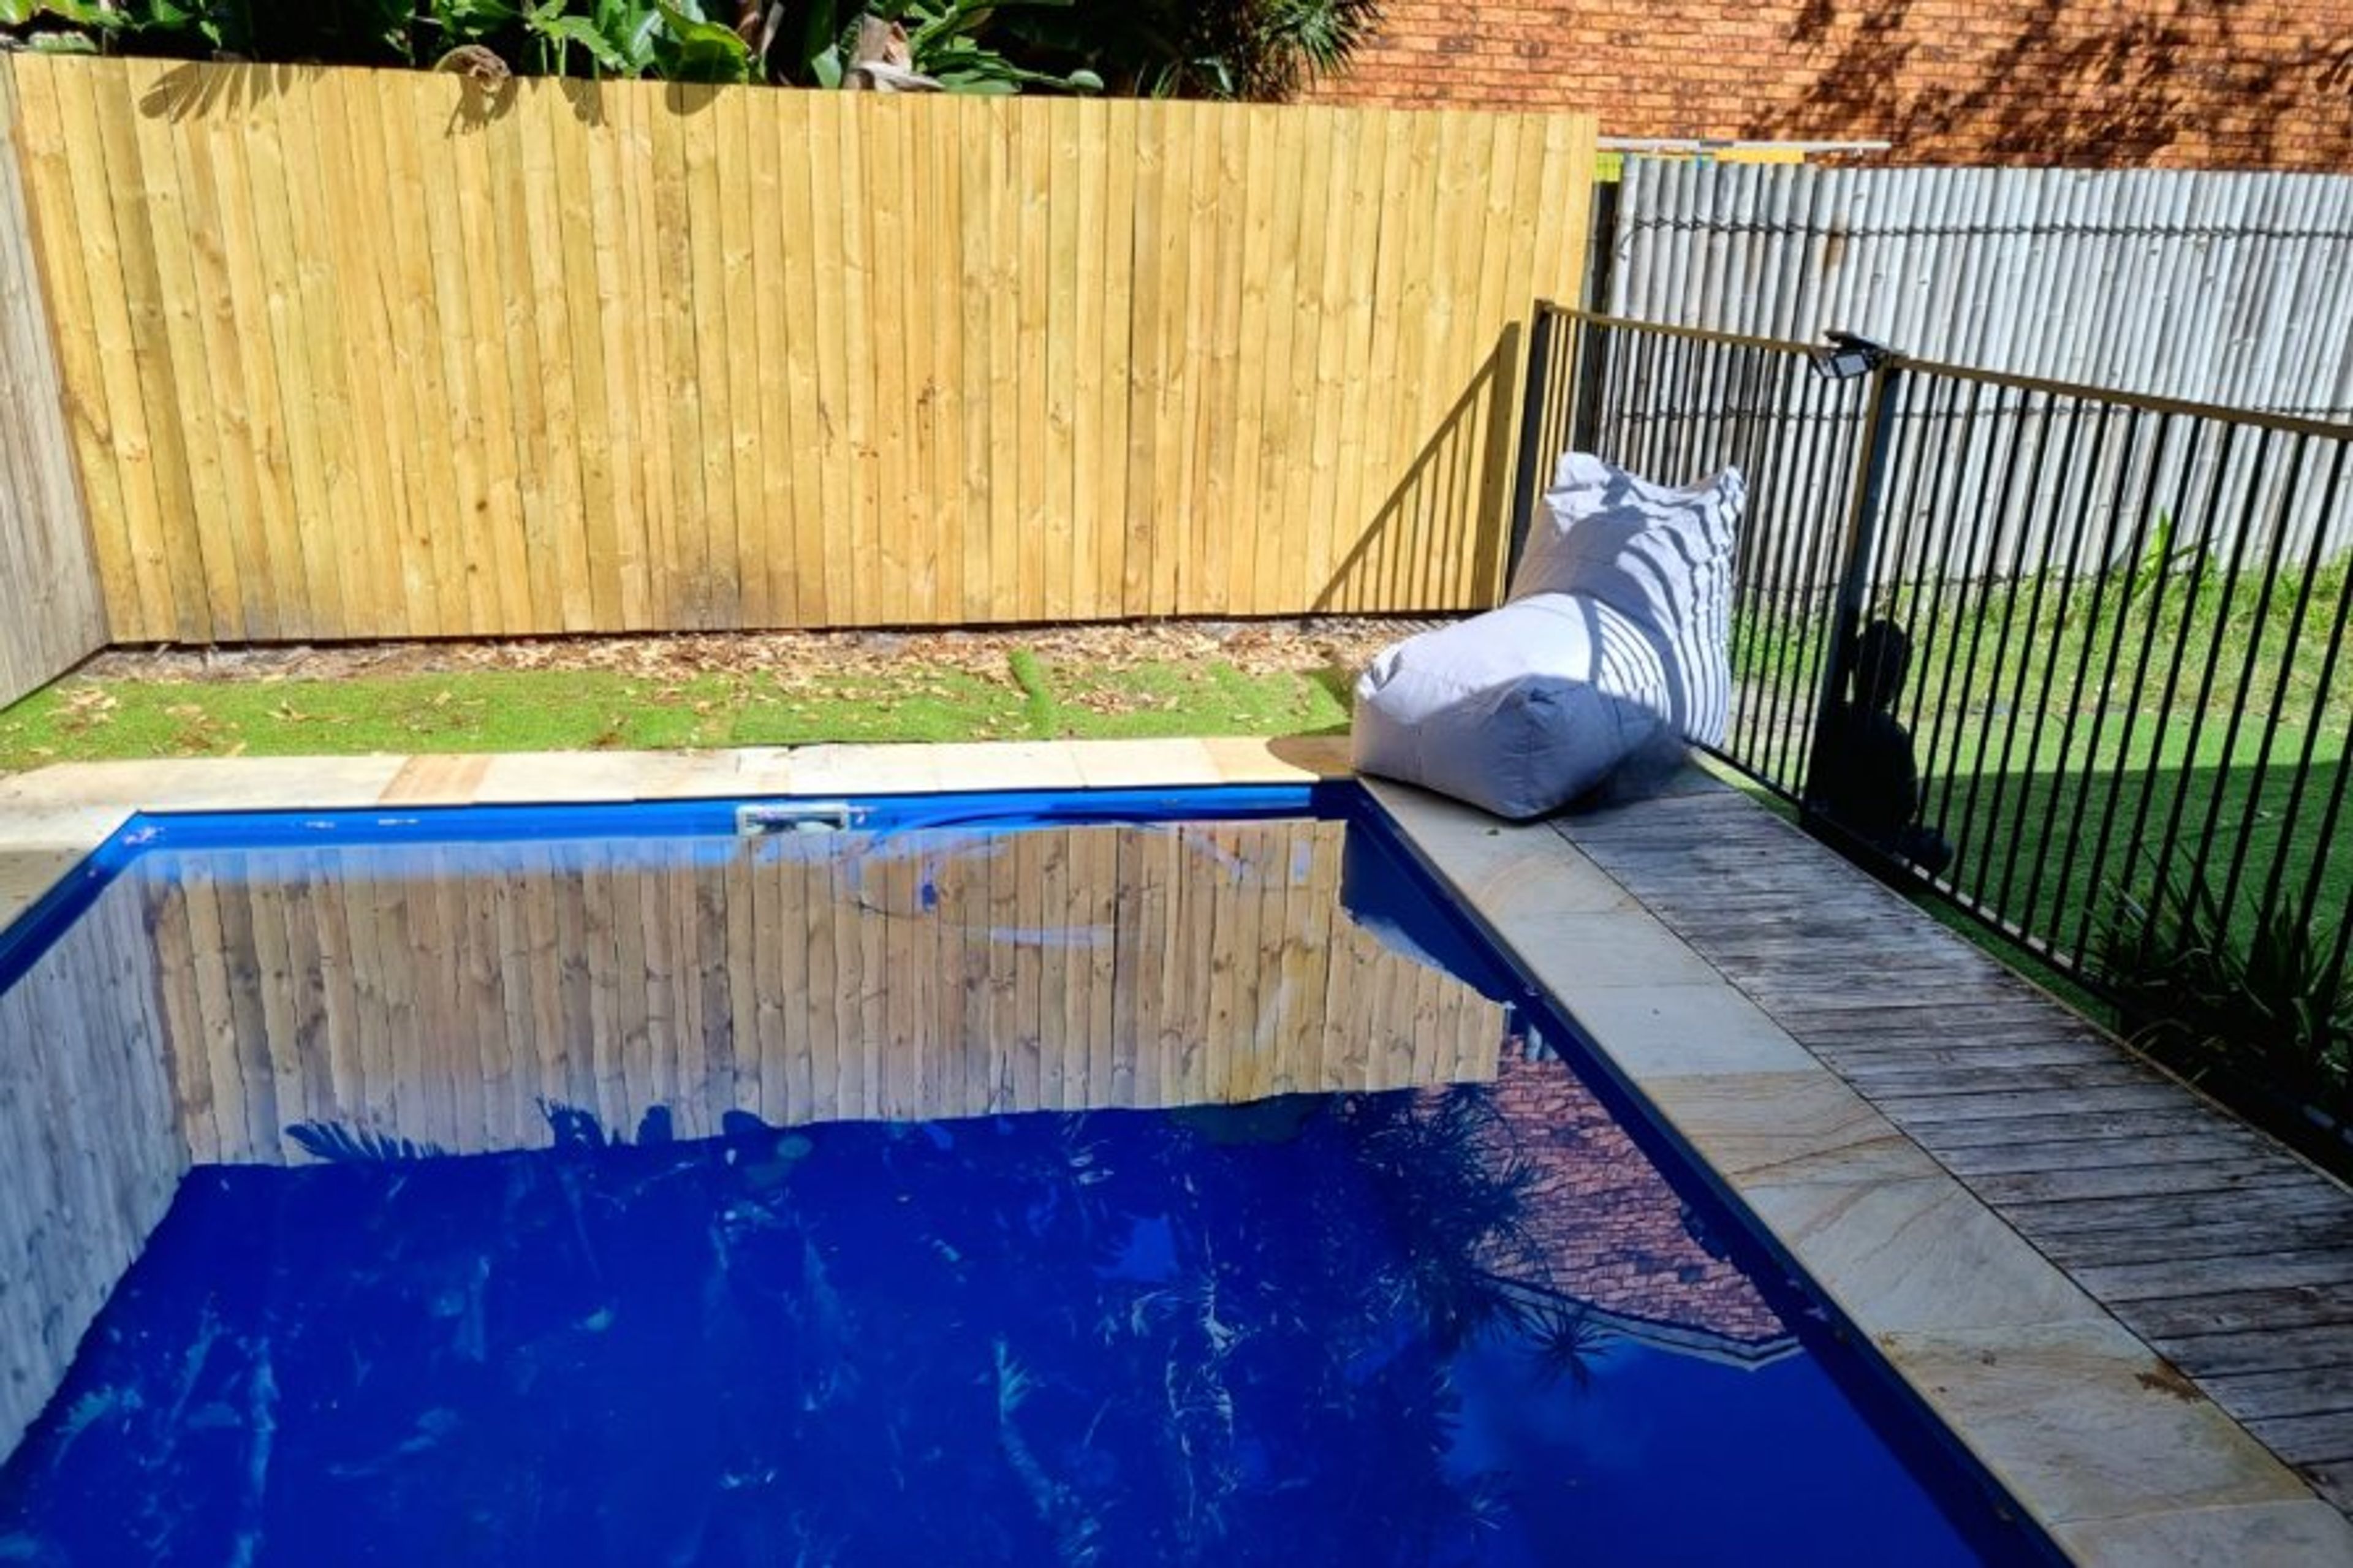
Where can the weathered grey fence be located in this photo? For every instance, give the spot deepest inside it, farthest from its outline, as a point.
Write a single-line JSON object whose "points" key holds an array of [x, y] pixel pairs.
{"points": [[2225, 289], [50, 617], [2232, 289]]}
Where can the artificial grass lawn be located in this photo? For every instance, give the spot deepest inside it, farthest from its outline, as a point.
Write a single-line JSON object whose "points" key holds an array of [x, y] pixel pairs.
{"points": [[88, 720]]}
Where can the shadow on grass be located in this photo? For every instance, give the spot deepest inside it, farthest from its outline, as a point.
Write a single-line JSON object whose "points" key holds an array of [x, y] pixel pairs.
{"points": [[1340, 685], [2051, 852]]}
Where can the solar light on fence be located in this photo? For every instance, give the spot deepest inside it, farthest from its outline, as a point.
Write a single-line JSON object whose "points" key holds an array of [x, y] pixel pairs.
{"points": [[1847, 355]]}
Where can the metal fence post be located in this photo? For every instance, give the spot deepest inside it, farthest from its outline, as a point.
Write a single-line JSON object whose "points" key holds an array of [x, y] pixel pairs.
{"points": [[1585, 412], [1861, 541], [1526, 477]]}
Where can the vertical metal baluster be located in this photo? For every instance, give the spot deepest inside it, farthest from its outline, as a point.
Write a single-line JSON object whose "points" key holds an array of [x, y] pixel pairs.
{"points": [[1962, 585], [1881, 411], [1750, 616], [1524, 483], [2318, 721], [1970, 825], [2212, 667], [2134, 546], [1924, 596], [2270, 720], [2055, 787], [1790, 676], [2137, 839], [1826, 567]]}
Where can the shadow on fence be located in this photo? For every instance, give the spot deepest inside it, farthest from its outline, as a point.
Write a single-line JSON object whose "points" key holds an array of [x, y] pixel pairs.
{"points": [[1440, 531], [209, 92]]}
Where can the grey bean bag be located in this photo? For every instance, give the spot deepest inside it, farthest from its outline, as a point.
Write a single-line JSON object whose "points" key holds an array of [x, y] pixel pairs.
{"points": [[1613, 646]]}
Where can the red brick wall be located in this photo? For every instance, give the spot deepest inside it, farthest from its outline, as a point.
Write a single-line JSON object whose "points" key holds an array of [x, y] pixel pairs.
{"points": [[2222, 84]]}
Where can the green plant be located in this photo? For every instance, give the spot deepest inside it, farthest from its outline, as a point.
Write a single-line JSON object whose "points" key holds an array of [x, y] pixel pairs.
{"points": [[2162, 557], [1260, 50], [947, 42], [959, 43], [2261, 997], [679, 42], [1237, 48]]}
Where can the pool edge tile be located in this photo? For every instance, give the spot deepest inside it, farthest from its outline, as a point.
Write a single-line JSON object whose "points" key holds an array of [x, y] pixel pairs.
{"points": [[1289, 759], [1917, 1254], [1144, 764], [2232, 1535], [450, 779], [1783, 1128], [210, 783], [2083, 1423]]}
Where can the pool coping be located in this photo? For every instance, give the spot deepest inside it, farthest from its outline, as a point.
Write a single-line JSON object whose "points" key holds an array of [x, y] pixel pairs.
{"points": [[2090, 1431]]}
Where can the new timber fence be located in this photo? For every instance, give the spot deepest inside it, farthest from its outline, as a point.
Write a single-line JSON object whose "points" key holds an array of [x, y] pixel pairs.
{"points": [[2126, 618], [364, 355]]}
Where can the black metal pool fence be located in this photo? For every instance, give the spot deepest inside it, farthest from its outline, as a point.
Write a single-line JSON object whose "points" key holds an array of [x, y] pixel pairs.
{"points": [[2048, 650]]}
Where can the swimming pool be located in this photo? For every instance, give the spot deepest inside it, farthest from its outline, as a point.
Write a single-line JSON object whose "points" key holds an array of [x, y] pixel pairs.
{"points": [[1129, 1175]]}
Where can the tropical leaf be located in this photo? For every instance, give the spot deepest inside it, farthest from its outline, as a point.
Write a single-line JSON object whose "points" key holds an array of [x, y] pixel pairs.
{"points": [[83, 13], [2200, 986], [689, 48], [630, 25], [583, 32]]}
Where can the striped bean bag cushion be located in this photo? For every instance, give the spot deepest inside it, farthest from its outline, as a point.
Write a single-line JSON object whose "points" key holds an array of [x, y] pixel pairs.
{"points": [[1658, 556], [1612, 647]]}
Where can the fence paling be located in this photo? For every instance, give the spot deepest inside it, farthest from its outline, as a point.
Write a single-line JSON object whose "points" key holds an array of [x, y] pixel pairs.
{"points": [[55, 618], [2075, 275], [373, 353], [2115, 604]]}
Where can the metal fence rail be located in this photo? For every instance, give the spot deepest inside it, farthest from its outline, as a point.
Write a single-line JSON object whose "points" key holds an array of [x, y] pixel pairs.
{"points": [[2105, 633]]}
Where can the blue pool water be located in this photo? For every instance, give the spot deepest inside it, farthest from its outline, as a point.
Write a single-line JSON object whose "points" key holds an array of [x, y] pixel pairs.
{"points": [[1122, 1337], [1465, 1324]]}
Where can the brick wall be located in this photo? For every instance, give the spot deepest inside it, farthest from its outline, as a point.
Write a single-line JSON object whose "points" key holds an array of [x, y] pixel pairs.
{"points": [[2221, 84]]}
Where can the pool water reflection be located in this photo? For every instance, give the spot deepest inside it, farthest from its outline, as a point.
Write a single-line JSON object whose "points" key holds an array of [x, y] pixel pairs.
{"points": [[572, 1186], [1355, 1328]]}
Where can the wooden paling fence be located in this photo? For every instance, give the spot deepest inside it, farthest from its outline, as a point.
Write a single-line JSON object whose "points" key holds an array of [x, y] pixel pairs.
{"points": [[52, 618], [358, 353]]}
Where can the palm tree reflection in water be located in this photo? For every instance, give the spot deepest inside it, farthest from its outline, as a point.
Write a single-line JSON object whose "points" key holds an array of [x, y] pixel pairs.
{"points": [[1125, 1336]]}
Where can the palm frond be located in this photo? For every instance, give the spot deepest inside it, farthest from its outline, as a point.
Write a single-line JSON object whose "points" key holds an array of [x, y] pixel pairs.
{"points": [[342, 1144]]}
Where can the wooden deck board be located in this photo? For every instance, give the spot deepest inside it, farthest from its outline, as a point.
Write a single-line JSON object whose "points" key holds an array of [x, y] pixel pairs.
{"points": [[2222, 1250]]}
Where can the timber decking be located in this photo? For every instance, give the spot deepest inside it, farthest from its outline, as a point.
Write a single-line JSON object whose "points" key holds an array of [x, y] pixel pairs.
{"points": [[2223, 1251]]}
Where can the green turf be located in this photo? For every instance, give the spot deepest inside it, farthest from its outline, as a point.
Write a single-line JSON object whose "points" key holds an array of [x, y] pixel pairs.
{"points": [[2036, 709], [1211, 699], [87, 720]]}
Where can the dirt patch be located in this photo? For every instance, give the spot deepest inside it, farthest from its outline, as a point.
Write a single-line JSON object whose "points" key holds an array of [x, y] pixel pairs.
{"points": [[1254, 647]]}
